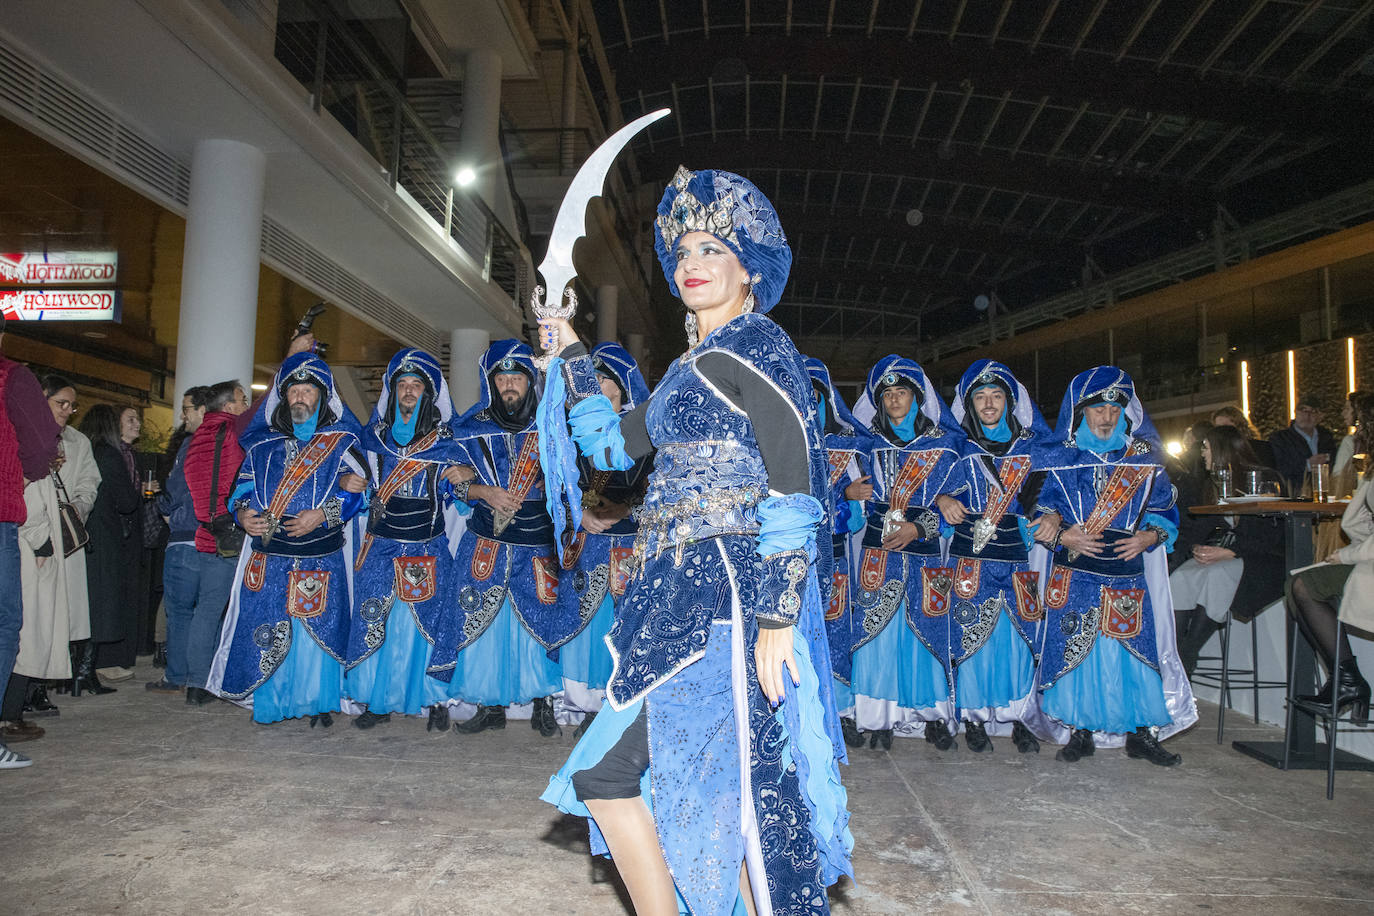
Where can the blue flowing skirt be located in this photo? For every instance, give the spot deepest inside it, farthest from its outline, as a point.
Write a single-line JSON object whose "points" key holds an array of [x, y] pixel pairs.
{"points": [[895, 665], [585, 658], [393, 678], [308, 682], [999, 673], [503, 666], [1110, 691]]}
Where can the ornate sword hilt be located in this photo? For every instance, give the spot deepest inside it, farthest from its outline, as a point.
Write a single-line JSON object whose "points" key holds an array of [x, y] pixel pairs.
{"points": [[542, 310]]}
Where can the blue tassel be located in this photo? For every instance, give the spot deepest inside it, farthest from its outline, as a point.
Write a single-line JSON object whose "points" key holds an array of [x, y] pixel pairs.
{"points": [[558, 456]]}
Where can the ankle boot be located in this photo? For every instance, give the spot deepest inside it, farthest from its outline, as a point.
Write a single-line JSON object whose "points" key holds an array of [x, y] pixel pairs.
{"points": [[84, 676], [976, 737], [37, 702], [487, 717], [881, 736], [1079, 745], [852, 737], [1143, 743], [584, 725], [64, 686], [938, 734], [544, 721], [537, 713], [1021, 736], [1351, 690]]}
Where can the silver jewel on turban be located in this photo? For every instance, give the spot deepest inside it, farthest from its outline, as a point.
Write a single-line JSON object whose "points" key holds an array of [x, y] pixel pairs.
{"points": [[687, 214], [987, 378], [890, 378], [301, 375], [1112, 394], [507, 365]]}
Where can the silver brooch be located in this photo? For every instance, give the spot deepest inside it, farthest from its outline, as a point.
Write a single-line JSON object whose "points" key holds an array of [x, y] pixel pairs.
{"points": [[507, 365], [890, 378], [1111, 394], [301, 375]]}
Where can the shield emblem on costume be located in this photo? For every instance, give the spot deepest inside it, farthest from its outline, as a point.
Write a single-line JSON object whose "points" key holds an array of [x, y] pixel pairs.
{"points": [[306, 592], [415, 578], [1057, 589], [545, 578], [966, 577], [1027, 585], [483, 559], [839, 596], [622, 569], [873, 570], [936, 583], [1123, 611], [255, 573]]}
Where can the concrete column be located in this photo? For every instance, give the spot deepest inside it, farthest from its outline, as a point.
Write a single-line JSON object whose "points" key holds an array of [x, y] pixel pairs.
{"points": [[480, 147], [219, 273], [635, 344], [466, 346], [607, 298]]}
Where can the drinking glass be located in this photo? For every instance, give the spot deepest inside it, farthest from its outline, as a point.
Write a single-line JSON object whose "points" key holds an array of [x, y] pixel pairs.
{"points": [[1321, 482], [1223, 481], [1254, 483]]}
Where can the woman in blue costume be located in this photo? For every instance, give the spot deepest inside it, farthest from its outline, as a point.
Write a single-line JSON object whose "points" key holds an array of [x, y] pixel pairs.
{"points": [[997, 611], [846, 440], [901, 663], [600, 553], [712, 776], [404, 583], [286, 629], [1109, 662]]}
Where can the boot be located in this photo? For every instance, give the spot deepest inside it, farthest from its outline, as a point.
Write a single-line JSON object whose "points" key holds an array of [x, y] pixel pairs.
{"points": [[38, 703], [1080, 745], [1021, 736], [324, 720], [881, 736], [851, 732], [369, 719], [159, 655], [438, 718], [976, 737], [84, 674], [937, 733], [544, 720], [536, 713], [74, 653], [584, 725], [1144, 744], [487, 717], [1351, 690]]}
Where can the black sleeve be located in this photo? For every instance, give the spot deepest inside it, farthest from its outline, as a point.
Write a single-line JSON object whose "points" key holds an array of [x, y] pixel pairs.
{"points": [[636, 433], [781, 439]]}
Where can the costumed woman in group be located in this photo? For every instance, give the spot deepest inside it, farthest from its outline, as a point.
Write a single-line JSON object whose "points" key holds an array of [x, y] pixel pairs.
{"points": [[711, 775]]}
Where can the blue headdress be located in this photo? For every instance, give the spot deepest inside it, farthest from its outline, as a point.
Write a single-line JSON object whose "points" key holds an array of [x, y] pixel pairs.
{"points": [[613, 359], [820, 377], [892, 370], [297, 368], [508, 355], [1105, 385], [734, 211], [1019, 403], [410, 361]]}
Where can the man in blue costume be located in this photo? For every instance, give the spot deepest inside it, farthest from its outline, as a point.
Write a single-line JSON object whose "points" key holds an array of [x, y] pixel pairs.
{"points": [[846, 441], [1109, 662], [997, 612], [513, 610], [901, 661], [404, 581], [600, 556], [286, 631]]}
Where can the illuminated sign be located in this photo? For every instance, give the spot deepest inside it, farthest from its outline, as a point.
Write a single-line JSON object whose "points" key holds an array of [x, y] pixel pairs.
{"points": [[58, 268], [60, 304]]}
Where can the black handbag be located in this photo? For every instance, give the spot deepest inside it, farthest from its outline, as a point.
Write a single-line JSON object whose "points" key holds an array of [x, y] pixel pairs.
{"points": [[74, 534], [222, 526], [1223, 536]]}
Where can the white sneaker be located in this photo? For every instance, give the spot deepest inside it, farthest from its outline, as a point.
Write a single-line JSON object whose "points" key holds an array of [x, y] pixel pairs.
{"points": [[9, 760], [115, 673]]}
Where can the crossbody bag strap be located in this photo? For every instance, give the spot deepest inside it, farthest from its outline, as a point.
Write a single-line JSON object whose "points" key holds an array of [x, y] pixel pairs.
{"points": [[214, 471]]}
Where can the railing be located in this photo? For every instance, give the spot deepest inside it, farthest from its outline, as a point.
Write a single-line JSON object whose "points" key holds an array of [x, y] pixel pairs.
{"points": [[1317, 218], [329, 58]]}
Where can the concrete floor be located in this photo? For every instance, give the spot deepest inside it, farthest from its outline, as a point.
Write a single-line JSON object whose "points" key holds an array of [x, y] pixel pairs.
{"points": [[138, 803]]}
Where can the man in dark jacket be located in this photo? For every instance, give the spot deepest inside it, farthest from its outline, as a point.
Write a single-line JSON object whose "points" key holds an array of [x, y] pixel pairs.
{"points": [[1301, 443], [28, 445]]}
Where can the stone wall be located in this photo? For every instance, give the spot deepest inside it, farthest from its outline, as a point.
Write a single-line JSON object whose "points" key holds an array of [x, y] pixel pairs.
{"points": [[1321, 375]]}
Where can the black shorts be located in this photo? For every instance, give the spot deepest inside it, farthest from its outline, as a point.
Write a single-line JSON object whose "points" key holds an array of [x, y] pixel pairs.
{"points": [[617, 774]]}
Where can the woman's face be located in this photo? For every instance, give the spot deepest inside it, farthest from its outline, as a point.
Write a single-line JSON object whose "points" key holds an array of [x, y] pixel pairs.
{"points": [[708, 274], [610, 389], [1206, 454], [129, 425], [63, 404]]}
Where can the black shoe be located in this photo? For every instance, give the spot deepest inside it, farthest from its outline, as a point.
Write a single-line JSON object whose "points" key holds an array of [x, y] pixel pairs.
{"points": [[1080, 745], [38, 704], [584, 725], [199, 696], [544, 720], [1352, 690], [324, 720], [369, 718], [83, 674], [976, 737], [162, 685], [881, 736], [487, 717], [160, 655], [438, 718], [852, 737], [937, 733], [1023, 739], [1144, 744]]}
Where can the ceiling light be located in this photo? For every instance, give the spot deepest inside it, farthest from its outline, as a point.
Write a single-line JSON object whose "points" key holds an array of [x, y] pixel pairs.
{"points": [[914, 217], [465, 177], [259, 386]]}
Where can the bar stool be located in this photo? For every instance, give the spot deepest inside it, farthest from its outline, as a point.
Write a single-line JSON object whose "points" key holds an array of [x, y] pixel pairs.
{"points": [[1332, 721], [1224, 677]]}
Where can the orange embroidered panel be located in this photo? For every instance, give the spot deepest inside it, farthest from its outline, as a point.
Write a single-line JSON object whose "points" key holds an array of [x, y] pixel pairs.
{"points": [[572, 548], [873, 569], [1123, 612], [966, 577], [546, 578], [484, 559], [839, 596], [255, 573], [1027, 586], [936, 584], [1057, 589], [622, 569], [307, 591], [415, 579]]}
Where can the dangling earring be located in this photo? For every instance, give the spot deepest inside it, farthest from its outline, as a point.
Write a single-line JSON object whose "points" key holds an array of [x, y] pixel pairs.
{"points": [[691, 323], [748, 301]]}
